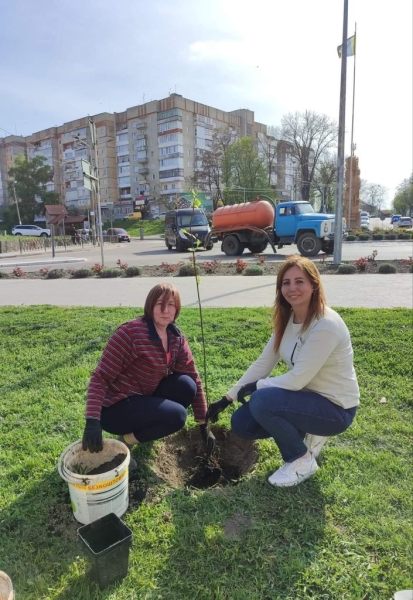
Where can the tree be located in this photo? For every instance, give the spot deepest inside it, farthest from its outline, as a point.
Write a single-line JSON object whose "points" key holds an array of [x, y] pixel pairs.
{"points": [[403, 200], [325, 176], [267, 148], [372, 195], [246, 168], [211, 171], [311, 135], [28, 183]]}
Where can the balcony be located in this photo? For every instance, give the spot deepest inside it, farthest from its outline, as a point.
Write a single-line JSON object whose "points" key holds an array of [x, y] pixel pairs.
{"points": [[143, 171], [140, 125], [144, 159]]}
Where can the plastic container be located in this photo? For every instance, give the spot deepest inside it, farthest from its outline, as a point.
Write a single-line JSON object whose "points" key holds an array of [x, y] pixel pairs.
{"points": [[258, 212], [6, 587], [403, 595], [94, 496], [106, 544]]}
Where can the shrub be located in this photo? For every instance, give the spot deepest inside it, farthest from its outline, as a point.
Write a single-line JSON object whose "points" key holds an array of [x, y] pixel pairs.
{"points": [[188, 270], [168, 267], [132, 272], [97, 268], [43, 272], [211, 266], [56, 274], [392, 236], [82, 273], [18, 272], [361, 263], [364, 237], [240, 265], [346, 269], [4, 275], [387, 268], [254, 270], [350, 238], [403, 236], [378, 236], [261, 258], [107, 272], [122, 265]]}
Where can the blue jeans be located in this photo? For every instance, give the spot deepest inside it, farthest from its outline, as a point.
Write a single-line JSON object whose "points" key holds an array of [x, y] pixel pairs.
{"points": [[152, 417], [287, 416]]}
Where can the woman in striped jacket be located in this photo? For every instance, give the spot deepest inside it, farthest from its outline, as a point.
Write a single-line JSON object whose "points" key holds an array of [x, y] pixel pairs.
{"points": [[146, 379]]}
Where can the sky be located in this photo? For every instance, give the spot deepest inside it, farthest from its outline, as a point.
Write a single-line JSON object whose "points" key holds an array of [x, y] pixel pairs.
{"points": [[64, 59]]}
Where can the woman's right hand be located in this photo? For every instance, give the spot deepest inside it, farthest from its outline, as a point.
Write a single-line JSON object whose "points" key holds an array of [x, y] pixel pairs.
{"points": [[92, 436]]}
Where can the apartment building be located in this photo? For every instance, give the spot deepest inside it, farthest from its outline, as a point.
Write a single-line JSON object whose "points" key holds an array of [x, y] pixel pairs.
{"points": [[10, 148], [146, 153]]}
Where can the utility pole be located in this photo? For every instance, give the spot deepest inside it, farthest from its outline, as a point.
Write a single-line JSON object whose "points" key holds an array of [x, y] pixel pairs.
{"points": [[338, 223], [92, 128]]}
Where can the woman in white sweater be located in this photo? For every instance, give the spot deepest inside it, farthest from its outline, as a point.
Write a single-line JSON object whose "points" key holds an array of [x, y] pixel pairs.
{"points": [[317, 397]]}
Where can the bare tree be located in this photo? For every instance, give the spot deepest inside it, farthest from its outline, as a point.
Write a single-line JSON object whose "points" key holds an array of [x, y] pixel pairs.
{"points": [[372, 195], [267, 148], [211, 172], [311, 135], [325, 176]]}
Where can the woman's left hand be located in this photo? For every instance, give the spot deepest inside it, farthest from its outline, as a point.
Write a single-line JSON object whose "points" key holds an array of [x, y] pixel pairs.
{"points": [[246, 390]]}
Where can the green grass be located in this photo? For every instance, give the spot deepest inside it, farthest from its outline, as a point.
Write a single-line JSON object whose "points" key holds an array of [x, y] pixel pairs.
{"points": [[346, 534], [157, 226]]}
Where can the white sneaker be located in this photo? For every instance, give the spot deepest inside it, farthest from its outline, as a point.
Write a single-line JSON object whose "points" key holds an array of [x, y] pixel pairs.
{"points": [[315, 443], [294, 472]]}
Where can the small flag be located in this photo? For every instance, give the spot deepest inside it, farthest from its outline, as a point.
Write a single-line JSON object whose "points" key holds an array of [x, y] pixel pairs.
{"points": [[351, 47]]}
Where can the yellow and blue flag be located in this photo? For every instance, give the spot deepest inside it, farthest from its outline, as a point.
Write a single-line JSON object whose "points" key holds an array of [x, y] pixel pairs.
{"points": [[351, 47]]}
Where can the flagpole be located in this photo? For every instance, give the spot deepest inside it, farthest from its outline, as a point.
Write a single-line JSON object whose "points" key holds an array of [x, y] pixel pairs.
{"points": [[338, 222], [352, 129]]}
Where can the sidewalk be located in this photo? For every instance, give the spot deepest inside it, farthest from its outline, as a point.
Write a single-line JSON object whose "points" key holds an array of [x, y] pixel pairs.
{"points": [[366, 291]]}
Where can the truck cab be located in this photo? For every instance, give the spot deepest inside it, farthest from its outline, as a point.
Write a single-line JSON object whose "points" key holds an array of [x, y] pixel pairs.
{"points": [[298, 223]]}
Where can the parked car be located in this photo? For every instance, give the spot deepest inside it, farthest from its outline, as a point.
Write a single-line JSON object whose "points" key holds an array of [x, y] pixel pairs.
{"points": [[32, 230], [395, 218], [135, 216], [122, 235], [405, 222], [364, 222]]}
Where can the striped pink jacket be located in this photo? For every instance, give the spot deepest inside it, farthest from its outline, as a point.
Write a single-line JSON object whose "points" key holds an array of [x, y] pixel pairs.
{"points": [[134, 362]]}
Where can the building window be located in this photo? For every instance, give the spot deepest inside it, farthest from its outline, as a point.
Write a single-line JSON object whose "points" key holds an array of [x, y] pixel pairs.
{"points": [[169, 125], [171, 173], [165, 186], [166, 114]]}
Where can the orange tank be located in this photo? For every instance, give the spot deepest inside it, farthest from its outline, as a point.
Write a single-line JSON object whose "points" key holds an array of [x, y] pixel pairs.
{"points": [[258, 212]]}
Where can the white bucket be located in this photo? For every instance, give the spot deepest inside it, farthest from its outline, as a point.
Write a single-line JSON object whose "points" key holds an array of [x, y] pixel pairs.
{"points": [[404, 595], [95, 496], [6, 587]]}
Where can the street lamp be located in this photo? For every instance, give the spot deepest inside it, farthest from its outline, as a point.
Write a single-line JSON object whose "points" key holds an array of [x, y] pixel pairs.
{"points": [[96, 179]]}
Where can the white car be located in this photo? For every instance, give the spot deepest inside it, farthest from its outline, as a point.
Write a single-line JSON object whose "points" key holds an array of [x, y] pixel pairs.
{"points": [[32, 230]]}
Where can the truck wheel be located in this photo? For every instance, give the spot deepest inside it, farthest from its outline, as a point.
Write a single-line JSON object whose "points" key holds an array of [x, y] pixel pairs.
{"points": [[179, 245], [210, 246], [168, 246], [256, 249], [308, 244], [328, 247], [231, 246]]}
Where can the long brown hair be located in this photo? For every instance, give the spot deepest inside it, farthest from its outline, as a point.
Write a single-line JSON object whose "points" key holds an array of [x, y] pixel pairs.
{"points": [[166, 291], [282, 309]]}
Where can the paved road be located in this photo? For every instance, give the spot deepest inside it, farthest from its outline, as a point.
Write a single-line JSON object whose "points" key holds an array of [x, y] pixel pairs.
{"points": [[368, 291], [152, 251]]}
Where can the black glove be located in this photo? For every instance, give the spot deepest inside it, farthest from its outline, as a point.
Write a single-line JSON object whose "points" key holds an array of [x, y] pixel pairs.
{"points": [[246, 390], [92, 436], [208, 438], [217, 407]]}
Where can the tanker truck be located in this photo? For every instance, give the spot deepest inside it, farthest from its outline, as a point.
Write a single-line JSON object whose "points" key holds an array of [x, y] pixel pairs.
{"points": [[254, 225]]}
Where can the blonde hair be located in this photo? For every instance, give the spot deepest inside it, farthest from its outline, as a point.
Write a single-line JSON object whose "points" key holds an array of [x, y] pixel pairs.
{"points": [[282, 309], [166, 291]]}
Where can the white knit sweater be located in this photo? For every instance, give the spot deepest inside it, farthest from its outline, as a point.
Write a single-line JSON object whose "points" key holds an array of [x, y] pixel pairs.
{"points": [[319, 360]]}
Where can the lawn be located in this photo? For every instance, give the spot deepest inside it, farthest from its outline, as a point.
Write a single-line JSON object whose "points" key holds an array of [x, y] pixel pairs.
{"points": [[345, 534]]}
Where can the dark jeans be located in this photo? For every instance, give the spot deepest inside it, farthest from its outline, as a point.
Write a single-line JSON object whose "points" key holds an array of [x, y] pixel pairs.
{"points": [[152, 417], [287, 416]]}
